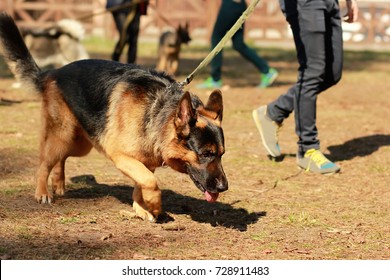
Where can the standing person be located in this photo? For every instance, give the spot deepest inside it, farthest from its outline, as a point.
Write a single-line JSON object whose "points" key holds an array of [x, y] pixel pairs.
{"points": [[229, 12], [127, 22], [316, 27]]}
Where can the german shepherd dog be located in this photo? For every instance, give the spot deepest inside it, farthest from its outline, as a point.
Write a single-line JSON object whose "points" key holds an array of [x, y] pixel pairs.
{"points": [[140, 119], [169, 49]]}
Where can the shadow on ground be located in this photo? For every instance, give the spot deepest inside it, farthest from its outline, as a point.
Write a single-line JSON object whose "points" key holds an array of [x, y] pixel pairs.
{"points": [[215, 214], [358, 147]]}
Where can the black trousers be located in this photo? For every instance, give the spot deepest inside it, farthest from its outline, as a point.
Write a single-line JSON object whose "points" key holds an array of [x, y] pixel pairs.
{"points": [[316, 27], [131, 36]]}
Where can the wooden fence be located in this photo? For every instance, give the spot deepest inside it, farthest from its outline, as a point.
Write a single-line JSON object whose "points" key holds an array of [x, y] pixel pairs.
{"points": [[265, 24]]}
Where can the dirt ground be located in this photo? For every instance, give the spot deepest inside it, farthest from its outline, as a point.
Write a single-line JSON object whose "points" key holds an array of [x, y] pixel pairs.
{"points": [[272, 210]]}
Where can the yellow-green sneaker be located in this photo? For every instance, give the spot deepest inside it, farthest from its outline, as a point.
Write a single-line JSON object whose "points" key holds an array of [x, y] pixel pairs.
{"points": [[269, 78], [209, 83], [315, 161]]}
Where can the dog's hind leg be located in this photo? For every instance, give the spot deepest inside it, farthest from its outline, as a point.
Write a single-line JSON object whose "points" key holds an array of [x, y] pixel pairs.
{"points": [[49, 158], [61, 137], [54, 152], [78, 147], [55, 147], [146, 194]]}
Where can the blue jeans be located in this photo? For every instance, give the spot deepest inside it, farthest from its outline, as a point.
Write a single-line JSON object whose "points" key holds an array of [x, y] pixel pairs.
{"points": [[316, 27]]}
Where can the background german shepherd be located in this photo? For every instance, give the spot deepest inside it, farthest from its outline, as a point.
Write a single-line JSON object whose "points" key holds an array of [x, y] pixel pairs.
{"points": [[138, 118], [169, 49]]}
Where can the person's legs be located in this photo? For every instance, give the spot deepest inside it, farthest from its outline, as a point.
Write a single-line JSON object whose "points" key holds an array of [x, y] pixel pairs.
{"points": [[229, 12], [334, 45], [132, 38], [268, 75], [227, 16], [317, 37], [248, 53], [216, 63], [320, 58], [309, 31], [119, 19]]}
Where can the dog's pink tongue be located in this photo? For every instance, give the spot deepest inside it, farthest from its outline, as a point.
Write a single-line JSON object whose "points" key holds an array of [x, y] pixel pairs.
{"points": [[211, 197]]}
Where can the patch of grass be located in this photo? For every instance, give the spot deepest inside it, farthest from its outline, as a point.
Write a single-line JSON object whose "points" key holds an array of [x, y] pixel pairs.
{"points": [[11, 191], [382, 169], [101, 45], [301, 219], [33, 105], [96, 44], [24, 232], [273, 245], [260, 236], [68, 220]]}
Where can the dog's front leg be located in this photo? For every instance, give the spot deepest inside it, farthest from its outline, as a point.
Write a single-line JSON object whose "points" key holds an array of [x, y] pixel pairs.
{"points": [[146, 195]]}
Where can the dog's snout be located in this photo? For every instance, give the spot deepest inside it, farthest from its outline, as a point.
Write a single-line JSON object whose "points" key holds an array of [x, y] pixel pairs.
{"points": [[222, 185]]}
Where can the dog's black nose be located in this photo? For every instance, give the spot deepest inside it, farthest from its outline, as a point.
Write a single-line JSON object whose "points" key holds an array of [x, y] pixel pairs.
{"points": [[222, 185]]}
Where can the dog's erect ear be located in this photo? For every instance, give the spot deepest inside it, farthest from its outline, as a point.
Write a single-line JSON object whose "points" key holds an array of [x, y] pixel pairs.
{"points": [[185, 115], [215, 104]]}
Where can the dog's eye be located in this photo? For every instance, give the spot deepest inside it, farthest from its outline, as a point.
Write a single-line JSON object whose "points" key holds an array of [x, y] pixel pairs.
{"points": [[208, 154]]}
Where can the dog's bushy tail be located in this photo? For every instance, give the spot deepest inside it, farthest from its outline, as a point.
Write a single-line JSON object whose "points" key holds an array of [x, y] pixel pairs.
{"points": [[16, 54]]}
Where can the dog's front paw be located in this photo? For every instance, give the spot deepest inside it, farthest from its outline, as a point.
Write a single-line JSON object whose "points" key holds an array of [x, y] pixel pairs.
{"points": [[147, 203], [43, 198], [143, 214]]}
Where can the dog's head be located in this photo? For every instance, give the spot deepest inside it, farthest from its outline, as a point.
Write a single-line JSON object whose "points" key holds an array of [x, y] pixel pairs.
{"points": [[183, 34], [199, 143]]}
